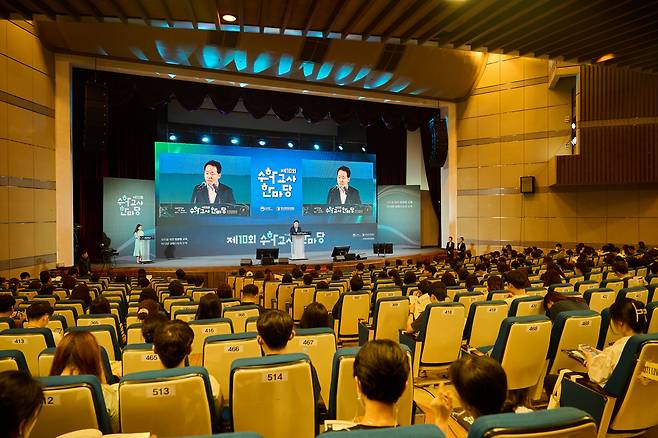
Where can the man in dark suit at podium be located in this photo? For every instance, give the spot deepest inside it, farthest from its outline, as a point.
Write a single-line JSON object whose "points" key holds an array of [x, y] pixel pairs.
{"points": [[295, 229], [342, 193], [211, 191]]}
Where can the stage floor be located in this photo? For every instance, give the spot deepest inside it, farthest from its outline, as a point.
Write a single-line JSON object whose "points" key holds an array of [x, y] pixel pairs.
{"points": [[313, 257]]}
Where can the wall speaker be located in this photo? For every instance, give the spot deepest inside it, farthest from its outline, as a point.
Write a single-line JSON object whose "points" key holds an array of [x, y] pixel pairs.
{"points": [[95, 126], [246, 262], [314, 50], [527, 184], [390, 57]]}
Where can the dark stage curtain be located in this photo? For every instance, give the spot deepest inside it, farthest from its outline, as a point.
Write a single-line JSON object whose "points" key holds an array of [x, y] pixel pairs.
{"points": [[434, 140], [137, 108]]}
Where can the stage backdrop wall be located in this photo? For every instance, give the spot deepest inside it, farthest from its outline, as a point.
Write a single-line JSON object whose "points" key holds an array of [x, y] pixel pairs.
{"points": [[398, 216], [126, 203]]}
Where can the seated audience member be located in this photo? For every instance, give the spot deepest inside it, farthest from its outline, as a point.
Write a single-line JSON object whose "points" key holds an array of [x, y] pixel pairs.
{"points": [[322, 285], [209, 307], [516, 284], [224, 291], [472, 280], [555, 302], [275, 330], [176, 289], [150, 325], [44, 276], [180, 274], [286, 279], [47, 289], [356, 285], [38, 316], [69, 282], [448, 279], [34, 285], [79, 353], [307, 279], [494, 282], [143, 282], [628, 317], [250, 297], [550, 277], [101, 306], [409, 280], [481, 385], [81, 292], [21, 400], [619, 270], [315, 315], [381, 370], [148, 293], [8, 310], [437, 292], [172, 342], [147, 308], [25, 276], [84, 264]]}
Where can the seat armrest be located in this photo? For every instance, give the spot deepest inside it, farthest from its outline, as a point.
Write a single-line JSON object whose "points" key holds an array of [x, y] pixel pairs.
{"points": [[364, 332], [583, 394], [467, 349]]}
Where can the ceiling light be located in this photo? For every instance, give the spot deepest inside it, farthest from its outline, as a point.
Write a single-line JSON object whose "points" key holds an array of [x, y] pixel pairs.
{"points": [[363, 148], [262, 142], [291, 144], [606, 57], [229, 18], [340, 147], [205, 139], [172, 137], [235, 140], [316, 147]]}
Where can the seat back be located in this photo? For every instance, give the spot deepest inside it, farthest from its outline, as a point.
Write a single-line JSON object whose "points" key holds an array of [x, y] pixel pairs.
{"points": [[388, 291], [96, 320], [136, 358], [634, 384], [320, 345], [71, 403], [415, 431], [13, 360], [570, 329], [270, 293], [70, 314], [441, 333], [561, 422], [57, 324], [30, 342], [50, 299], [538, 291], [389, 317], [521, 348], [164, 392], [220, 351], [561, 287], [483, 323], [105, 336], [78, 305], [238, 316], [615, 284], [496, 295], [134, 334], [302, 297], [327, 297], [208, 327], [284, 295], [270, 386], [183, 306], [599, 298], [468, 298], [225, 303], [638, 293], [652, 315], [526, 306], [343, 401], [6, 323], [584, 285], [250, 325], [454, 290], [356, 307]]}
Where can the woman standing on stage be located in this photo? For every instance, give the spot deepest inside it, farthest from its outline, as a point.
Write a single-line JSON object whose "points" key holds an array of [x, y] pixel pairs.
{"points": [[138, 233]]}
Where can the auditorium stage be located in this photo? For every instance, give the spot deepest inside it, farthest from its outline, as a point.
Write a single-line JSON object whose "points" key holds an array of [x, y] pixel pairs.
{"points": [[230, 263]]}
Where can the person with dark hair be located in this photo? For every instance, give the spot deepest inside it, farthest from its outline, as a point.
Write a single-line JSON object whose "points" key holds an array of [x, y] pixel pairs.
{"points": [[322, 285], [172, 342], [315, 315], [450, 247], [307, 279], [409, 278], [143, 282], [84, 264], [21, 399], [356, 284], [461, 248], [34, 285], [516, 283], [211, 191], [176, 289], [431, 270], [381, 371], [437, 292], [286, 279], [619, 270], [275, 329], [480, 383], [38, 316], [79, 353], [69, 282], [25, 276], [555, 303], [100, 306], [471, 281], [295, 229], [209, 307], [180, 274], [250, 297], [148, 293], [147, 308], [8, 310], [551, 277], [44, 277], [359, 267], [448, 279], [224, 290], [342, 193], [81, 292]]}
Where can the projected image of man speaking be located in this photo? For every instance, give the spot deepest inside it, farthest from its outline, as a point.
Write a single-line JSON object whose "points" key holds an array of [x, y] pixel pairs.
{"points": [[211, 191], [342, 193]]}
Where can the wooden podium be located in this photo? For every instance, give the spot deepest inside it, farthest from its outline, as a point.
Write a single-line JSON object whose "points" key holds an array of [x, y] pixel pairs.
{"points": [[297, 245]]}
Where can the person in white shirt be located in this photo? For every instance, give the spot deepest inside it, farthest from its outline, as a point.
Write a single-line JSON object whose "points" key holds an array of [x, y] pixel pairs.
{"points": [[38, 316], [172, 342], [628, 317], [516, 283]]}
